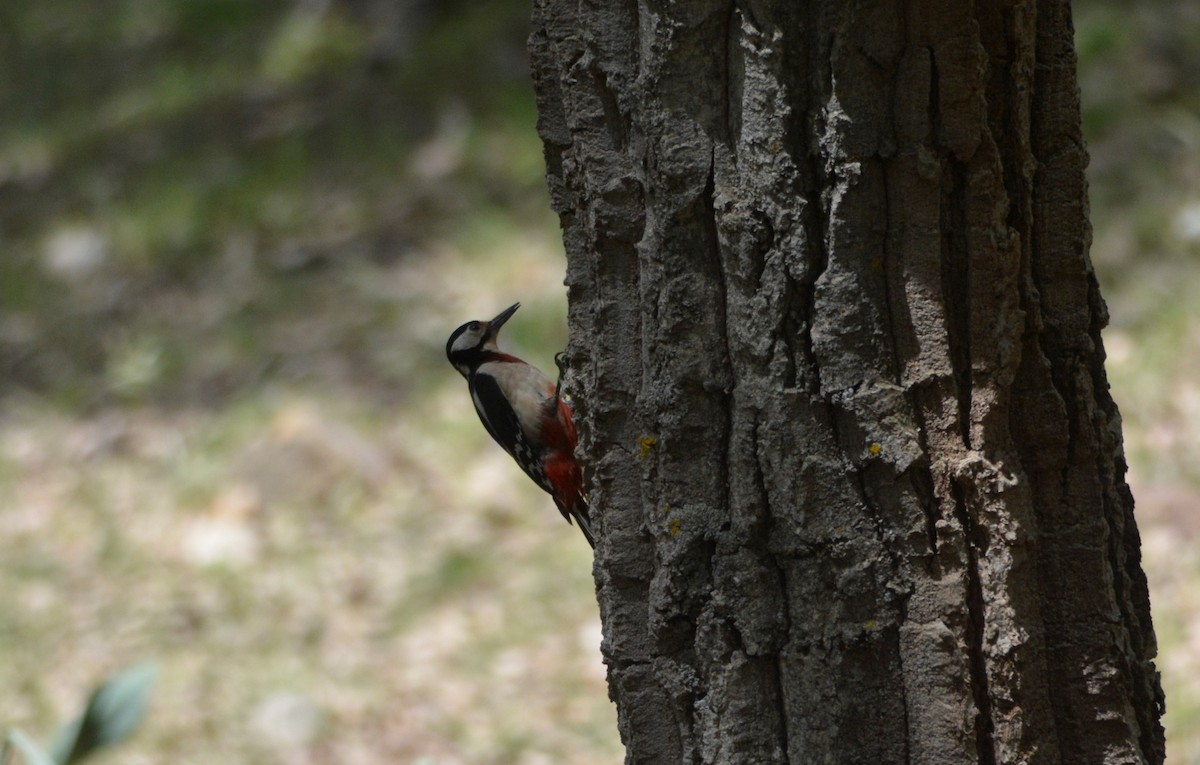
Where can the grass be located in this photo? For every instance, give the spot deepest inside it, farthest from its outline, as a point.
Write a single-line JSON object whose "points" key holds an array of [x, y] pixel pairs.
{"points": [[235, 238], [294, 546]]}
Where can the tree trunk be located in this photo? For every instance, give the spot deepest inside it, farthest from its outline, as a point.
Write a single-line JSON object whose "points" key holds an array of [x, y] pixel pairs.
{"points": [[835, 347]]}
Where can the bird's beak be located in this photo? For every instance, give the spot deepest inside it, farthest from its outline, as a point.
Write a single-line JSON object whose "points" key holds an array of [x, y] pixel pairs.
{"points": [[495, 324]]}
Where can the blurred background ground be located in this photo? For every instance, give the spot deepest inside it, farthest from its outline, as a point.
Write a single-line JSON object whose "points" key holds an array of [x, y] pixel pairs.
{"points": [[233, 238]]}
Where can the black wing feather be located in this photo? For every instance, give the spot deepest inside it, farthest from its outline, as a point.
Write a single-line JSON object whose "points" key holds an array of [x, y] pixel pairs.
{"points": [[502, 424]]}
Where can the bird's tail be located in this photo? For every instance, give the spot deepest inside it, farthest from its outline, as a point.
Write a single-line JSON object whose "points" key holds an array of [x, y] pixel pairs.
{"points": [[583, 516], [567, 481]]}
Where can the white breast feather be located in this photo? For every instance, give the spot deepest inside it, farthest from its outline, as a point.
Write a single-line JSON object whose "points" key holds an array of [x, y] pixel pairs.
{"points": [[526, 388]]}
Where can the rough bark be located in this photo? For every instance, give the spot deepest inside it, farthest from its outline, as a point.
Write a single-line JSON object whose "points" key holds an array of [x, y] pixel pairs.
{"points": [[835, 341]]}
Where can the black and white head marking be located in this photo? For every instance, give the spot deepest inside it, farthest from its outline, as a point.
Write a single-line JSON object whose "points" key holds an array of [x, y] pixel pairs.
{"points": [[469, 345], [463, 342]]}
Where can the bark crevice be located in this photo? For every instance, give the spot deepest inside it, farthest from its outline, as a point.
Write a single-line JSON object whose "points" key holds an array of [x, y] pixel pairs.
{"points": [[976, 627]]}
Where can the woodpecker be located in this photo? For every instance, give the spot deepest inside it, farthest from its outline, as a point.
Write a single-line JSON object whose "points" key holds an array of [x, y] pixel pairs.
{"points": [[524, 412]]}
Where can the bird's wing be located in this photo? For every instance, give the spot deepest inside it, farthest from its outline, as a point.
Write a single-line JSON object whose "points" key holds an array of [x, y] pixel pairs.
{"points": [[503, 425]]}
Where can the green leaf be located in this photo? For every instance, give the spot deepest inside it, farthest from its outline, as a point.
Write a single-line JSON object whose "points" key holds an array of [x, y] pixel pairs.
{"points": [[113, 712], [31, 753]]}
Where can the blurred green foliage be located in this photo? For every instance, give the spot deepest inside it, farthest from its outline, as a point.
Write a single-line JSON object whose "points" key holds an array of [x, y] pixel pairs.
{"points": [[234, 235], [113, 712], [240, 150]]}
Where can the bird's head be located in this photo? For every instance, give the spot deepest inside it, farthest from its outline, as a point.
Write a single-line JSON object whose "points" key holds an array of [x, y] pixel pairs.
{"points": [[469, 345]]}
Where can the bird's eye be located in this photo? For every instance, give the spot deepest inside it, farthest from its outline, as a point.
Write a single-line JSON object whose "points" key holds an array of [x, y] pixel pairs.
{"points": [[474, 327]]}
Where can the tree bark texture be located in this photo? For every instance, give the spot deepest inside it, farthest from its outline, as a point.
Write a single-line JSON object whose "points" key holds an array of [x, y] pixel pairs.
{"points": [[835, 347]]}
